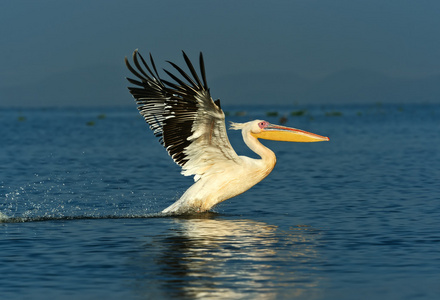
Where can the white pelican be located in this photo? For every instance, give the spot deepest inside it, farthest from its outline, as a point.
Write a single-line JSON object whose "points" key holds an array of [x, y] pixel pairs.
{"points": [[191, 126]]}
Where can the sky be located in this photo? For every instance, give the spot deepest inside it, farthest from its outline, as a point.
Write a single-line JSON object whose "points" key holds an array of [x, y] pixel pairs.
{"points": [[70, 53]]}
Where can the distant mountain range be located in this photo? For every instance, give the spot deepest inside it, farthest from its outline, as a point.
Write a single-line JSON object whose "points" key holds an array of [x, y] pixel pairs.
{"points": [[93, 86], [106, 86], [348, 86]]}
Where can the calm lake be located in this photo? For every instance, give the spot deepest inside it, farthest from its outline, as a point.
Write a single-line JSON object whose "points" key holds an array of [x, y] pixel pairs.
{"points": [[354, 218]]}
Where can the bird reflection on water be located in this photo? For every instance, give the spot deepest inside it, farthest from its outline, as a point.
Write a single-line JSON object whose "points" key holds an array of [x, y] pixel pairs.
{"points": [[211, 257]]}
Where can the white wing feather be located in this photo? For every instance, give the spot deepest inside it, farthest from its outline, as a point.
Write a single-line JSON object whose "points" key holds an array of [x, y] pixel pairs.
{"points": [[189, 123]]}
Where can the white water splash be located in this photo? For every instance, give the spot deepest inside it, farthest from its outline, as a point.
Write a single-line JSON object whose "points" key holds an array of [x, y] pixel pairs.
{"points": [[3, 217]]}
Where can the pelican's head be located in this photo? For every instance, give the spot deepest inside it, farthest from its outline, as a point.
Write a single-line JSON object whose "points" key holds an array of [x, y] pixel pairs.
{"points": [[264, 130]]}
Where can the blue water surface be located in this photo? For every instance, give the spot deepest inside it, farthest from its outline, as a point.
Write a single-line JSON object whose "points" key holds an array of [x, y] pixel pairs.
{"points": [[354, 218]]}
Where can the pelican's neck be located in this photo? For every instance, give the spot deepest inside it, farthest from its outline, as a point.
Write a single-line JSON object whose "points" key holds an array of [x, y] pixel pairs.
{"points": [[267, 155]]}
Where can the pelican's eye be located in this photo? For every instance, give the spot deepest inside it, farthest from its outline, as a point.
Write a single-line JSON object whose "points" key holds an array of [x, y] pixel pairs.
{"points": [[263, 124]]}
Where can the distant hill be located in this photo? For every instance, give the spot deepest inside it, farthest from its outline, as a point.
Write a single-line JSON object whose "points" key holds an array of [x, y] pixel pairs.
{"points": [[106, 86], [92, 86], [260, 88], [361, 86], [347, 86]]}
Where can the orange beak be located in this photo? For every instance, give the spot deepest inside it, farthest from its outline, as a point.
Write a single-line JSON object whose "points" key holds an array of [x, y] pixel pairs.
{"points": [[287, 134]]}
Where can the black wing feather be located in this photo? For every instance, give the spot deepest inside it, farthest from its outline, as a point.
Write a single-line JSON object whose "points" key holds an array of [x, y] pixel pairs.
{"points": [[169, 108], [183, 73], [202, 70], [192, 70]]}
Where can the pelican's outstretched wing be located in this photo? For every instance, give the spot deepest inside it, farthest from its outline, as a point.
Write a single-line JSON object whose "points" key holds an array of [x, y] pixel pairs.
{"points": [[189, 124]]}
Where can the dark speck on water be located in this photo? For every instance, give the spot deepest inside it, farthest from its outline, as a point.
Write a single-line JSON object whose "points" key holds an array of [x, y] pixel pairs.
{"points": [[272, 113], [354, 218], [297, 113]]}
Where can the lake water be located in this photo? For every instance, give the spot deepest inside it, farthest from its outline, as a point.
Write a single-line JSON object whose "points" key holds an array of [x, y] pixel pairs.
{"points": [[354, 218]]}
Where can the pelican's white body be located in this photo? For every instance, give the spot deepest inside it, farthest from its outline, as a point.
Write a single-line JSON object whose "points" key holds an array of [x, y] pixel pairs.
{"points": [[227, 178]]}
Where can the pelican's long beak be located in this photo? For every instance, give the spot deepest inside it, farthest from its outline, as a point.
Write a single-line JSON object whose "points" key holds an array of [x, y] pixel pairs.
{"points": [[287, 134]]}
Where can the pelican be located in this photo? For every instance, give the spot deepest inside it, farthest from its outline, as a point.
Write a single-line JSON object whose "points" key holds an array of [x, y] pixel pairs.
{"points": [[191, 127]]}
